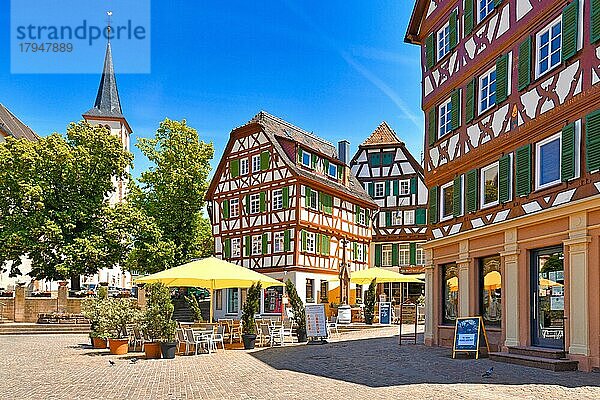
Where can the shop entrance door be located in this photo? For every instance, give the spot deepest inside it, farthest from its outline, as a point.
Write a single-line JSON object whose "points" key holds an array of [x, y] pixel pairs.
{"points": [[547, 297]]}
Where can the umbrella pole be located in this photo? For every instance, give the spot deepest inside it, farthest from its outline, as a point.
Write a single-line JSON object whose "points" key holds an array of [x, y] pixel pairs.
{"points": [[210, 313]]}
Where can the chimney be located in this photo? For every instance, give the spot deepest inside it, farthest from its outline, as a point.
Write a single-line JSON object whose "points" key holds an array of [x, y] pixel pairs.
{"points": [[344, 151]]}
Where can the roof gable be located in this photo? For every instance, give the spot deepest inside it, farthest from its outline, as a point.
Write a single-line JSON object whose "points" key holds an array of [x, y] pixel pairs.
{"points": [[382, 135], [416, 19], [13, 126]]}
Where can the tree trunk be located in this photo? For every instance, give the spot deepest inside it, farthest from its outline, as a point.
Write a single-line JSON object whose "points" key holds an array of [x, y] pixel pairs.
{"points": [[75, 282]]}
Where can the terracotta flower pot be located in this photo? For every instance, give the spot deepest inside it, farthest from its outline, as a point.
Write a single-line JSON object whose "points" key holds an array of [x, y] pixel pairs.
{"points": [[152, 350], [118, 346], [99, 343]]}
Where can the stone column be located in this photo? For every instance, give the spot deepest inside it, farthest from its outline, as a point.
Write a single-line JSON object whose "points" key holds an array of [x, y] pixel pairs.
{"points": [[510, 288], [19, 304], [576, 249], [429, 298], [141, 297], [61, 301], [464, 281]]}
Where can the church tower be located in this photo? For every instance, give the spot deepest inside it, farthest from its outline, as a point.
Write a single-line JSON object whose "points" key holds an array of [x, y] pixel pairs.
{"points": [[107, 112]]}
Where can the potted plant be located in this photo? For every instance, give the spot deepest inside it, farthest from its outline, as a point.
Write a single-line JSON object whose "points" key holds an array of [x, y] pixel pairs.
{"points": [[298, 310], [94, 309], [158, 324], [251, 307], [370, 303], [120, 313]]}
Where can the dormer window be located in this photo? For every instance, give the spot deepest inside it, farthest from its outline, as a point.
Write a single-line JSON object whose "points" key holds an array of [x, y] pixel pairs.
{"points": [[333, 170], [306, 159]]}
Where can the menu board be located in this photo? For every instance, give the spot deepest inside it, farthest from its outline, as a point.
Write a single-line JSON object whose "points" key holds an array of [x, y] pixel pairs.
{"points": [[385, 313], [316, 322], [469, 334]]}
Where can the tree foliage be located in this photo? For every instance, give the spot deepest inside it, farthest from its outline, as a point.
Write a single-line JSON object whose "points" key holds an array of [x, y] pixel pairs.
{"points": [[250, 308], [370, 300], [296, 304]]}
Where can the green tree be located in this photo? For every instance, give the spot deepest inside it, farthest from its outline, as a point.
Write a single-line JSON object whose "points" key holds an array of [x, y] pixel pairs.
{"points": [[53, 202], [370, 300], [172, 191]]}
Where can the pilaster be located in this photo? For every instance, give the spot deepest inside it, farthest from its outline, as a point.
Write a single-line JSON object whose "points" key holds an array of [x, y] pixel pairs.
{"points": [[464, 281], [429, 298], [510, 287]]}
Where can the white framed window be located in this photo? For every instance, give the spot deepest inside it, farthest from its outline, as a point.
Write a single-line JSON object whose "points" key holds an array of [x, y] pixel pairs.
{"points": [[254, 203], [487, 90], [489, 185], [485, 8], [404, 254], [360, 252], [548, 45], [362, 217], [409, 217], [277, 199], [278, 242], [404, 188], [256, 245], [333, 170], [234, 208], [233, 304], [379, 189], [548, 161], [447, 200], [236, 247], [445, 118], [256, 163], [420, 255], [244, 166], [386, 255], [306, 159], [443, 41], [310, 242], [313, 201], [396, 217]]}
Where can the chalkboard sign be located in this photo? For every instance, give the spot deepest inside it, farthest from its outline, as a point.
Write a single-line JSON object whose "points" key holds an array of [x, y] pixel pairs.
{"points": [[468, 336], [385, 313]]}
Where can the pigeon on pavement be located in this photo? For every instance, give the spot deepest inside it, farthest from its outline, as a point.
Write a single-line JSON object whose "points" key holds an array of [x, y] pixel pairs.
{"points": [[111, 362], [133, 360], [488, 373]]}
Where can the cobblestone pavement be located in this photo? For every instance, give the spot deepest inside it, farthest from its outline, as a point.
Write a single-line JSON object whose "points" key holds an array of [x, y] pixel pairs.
{"points": [[355, 365]]}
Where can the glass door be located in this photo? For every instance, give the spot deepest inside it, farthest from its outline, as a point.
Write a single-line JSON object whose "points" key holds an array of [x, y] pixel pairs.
{"points": [[547, 297]]}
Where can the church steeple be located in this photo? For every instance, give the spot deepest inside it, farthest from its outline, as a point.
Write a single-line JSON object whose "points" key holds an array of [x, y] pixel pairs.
{"points": [[107, 102]]}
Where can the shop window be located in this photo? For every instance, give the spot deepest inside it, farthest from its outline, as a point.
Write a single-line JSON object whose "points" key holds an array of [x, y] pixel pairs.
{"points": [[324, 292], [490, 293], [218, 299], [232, 301], [272, 300], [449, 293], [358, 294]]}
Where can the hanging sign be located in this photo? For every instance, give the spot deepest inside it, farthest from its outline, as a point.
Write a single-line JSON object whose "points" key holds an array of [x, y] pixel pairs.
{"points": [[468, 335], [316, 322], [385, 313]]}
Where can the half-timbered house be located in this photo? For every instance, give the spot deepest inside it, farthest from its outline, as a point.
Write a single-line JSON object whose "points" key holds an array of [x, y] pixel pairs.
{"points": [[511, 96], [394, 179], [284, 202]]}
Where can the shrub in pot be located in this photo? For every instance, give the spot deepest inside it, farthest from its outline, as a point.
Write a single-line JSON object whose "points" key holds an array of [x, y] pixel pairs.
{"points": [[251, 307], [370, 299], [298, 310], [158, 324], [94, 309], [120, 313]]}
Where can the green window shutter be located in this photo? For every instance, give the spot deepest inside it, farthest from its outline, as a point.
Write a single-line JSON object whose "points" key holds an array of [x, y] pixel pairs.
{"points": [[413, 253], [567, 162], [248, 245], [421, 216], [227, 248], [378, 255], [453, 23], [225, 209], [395, 255], [595, 21], [340, 172], [504, 179], [432, 126], [303, 240], [265, 159], [265, 243], [497, 3], [457, 197], [523, 170], [371, 186], [388, 218], [570, 23], [314, 160], [502, 79], [248, 204], [234, 167], [299, 155], [396, 187], [470, 101], [455, 109], [592, 141], [325, 245], [357, 214], [321, 202], [387, 188], [307, 193], [376, 160], [413, 185], [525, 63], [263, 202], [367, 216], [468, 16], [355, 250], [326, 166], [472, 185], [318, 243], [330, 205], [388, 159], [285, 196], [433, 205], [430, 51], [286, 240]]}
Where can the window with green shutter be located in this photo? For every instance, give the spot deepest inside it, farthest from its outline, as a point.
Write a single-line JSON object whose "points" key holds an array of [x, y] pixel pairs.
{"points": [[303, 240], [371, 188], [287, 240], [263, 201], [433, 205], [453, 24], [355, 251], [592, 141], [225, 209], [248, 204], [395, 255], [248, 246], [265, 243], [326, 166], [387, 159], [265, 159], [456, 109], [595, 20], [525, 63], [388, 218], [357, 214], [413, 253], [457, 196], [502, 79], [318, 243], [471, 190], [234, 168], [523, 170], [299, 155], [387, 188], [570, 24], [340, 172], [470, 101], [430, 51], [314, 160], [468, 17], [504, 179], [307, 193], [378, 255], [285, 195], [227, 248], [325, 245], [396, 185], [432, 126], [413, 185], [421, 216], [567, 161]]}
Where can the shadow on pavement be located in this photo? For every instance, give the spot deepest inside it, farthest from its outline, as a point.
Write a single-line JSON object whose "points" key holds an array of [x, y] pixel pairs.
{"points": [[381, 362]]}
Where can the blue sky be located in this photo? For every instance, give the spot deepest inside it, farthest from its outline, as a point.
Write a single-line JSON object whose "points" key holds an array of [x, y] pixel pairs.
{"points": [[337, 68]]}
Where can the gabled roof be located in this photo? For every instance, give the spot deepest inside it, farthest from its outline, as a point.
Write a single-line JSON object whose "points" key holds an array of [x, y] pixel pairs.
{"points": [[107, 102], [13, 126], [414, 25], [384, 134]]}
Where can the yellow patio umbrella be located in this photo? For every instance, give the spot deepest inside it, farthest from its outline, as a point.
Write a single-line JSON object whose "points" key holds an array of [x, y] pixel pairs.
{"points": [[210, 273], [492, 280], [549, 283], [365, 276], [453, 283]]}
